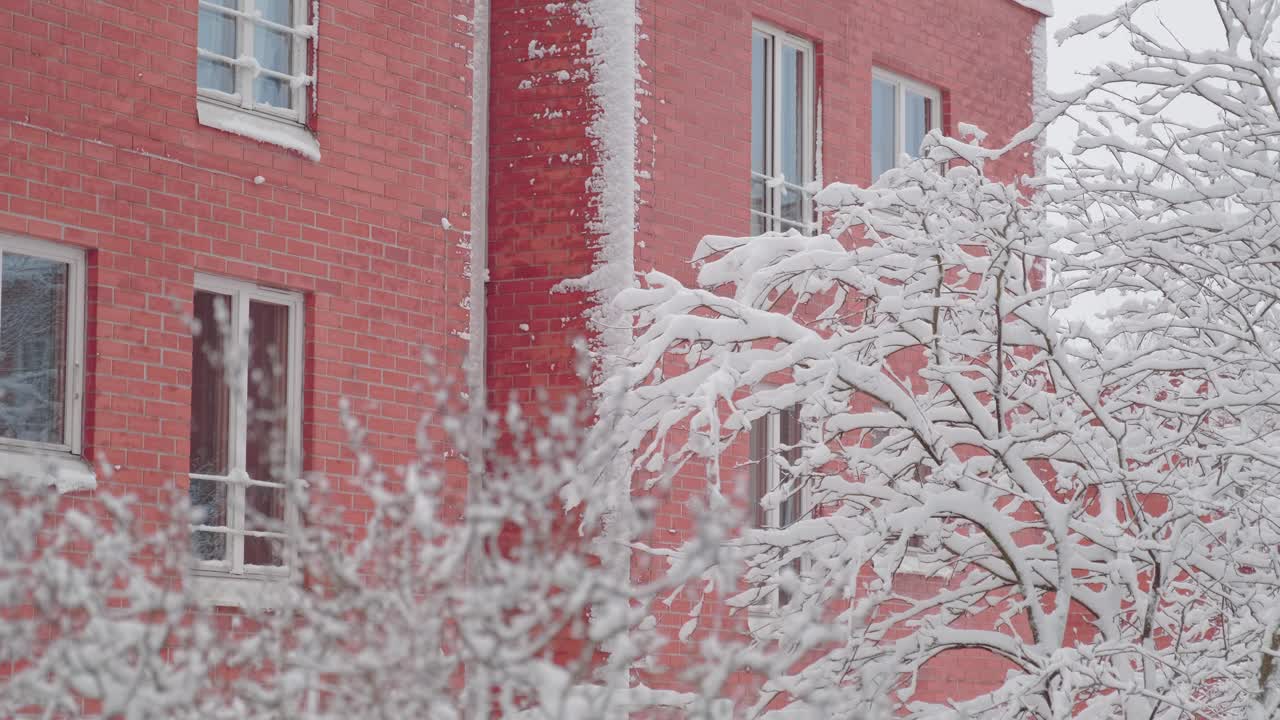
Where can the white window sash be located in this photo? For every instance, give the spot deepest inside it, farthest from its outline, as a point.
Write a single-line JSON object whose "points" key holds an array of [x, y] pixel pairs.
{"points": [[246, 24], [237, 479], [901, 85], [772, 216], [73, 390]]}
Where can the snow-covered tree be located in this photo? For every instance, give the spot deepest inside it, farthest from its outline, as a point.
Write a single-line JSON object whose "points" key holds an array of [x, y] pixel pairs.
{"points": [[1093, 505], [494, 604], [1089, 509]]}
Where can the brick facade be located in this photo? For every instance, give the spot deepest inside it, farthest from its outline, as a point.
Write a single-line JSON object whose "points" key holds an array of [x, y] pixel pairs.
{"points": [[100, 149]]}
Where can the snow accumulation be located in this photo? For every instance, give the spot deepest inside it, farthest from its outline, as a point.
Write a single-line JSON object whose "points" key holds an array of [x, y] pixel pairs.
{"points": [[289, 137], [1044, 7], [612, 56], [66, 473], [1040, 89]]}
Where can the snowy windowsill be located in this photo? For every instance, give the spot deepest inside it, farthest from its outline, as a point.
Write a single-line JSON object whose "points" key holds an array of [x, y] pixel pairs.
{"points": [[248, 592], [66, 472], [257, 127]]}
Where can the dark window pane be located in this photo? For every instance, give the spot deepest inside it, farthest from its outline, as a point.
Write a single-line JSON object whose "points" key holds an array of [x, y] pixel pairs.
{"points": [[33, 348], [210, 396], [266, 440], [759, 194], [271, 48], [789, 444], [273, 92], [792, 100], [215, 75], [793, 207], [218, 33], [761, 107], [209, 545], [208, 502], [918, 121], [759, 469], [263, 551], [884, 120], [264, 512], [277, 11], [759, 225], [209, 507], [791, 509]]}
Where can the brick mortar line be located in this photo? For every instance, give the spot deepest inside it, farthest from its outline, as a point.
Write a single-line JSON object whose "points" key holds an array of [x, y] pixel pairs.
{"points": [[143, 153]]}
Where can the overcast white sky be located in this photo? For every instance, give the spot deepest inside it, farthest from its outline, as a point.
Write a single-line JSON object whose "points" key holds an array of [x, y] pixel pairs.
{"points": [[1192, 22]]}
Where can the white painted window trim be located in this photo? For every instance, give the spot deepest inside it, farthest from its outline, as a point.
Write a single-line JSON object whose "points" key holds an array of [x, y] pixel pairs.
{"points": [[230, 581], [59, 463], [901, 84], [773, 149], [239, 112]]}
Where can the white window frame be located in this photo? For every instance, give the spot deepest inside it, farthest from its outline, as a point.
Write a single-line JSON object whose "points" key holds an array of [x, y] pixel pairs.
{"points": [[901, 84], [232, 567], [243, 65], [773, 149], [73, 393]]}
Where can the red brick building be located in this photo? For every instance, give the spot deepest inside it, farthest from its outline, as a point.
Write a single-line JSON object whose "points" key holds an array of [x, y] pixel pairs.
{"points": [[362, 180]]}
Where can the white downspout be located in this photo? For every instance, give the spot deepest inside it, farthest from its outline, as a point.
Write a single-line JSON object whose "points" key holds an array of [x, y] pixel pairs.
{"points": [[476, 350], [476, 697]]}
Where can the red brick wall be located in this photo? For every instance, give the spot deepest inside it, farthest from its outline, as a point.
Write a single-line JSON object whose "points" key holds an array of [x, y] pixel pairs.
{"points": [[540, 159], [100, 148]]}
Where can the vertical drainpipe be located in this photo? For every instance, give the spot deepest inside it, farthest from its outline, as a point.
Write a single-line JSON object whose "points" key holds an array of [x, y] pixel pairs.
{"points": [[476, 698], [479, 209]]}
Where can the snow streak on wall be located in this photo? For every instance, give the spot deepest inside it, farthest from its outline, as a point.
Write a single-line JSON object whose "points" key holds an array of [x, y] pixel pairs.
{"points": [[611, 54]]}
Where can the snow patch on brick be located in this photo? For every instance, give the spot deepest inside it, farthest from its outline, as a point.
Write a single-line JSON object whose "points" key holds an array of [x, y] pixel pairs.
{"points": [[1044, 7], [1040, 88], [538, 50]]}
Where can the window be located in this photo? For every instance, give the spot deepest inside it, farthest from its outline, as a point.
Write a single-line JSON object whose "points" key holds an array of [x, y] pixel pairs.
{"points": [[902, 113], [776, 434], [251, 71], [253, 55], [41, 345], [782, 144], [246, 388]]}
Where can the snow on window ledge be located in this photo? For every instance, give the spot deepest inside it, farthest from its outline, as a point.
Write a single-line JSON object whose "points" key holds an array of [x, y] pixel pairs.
{"points": [[66, 472], [276, 132], [248, 592]]}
